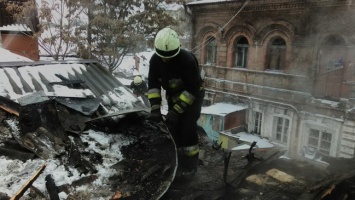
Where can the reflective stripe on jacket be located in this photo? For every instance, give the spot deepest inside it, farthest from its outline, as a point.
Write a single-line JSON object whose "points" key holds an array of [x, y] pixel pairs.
{"points": [[180, 77]]}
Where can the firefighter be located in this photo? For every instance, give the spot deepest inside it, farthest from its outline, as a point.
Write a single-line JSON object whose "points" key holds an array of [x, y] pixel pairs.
{"points": [[139, 86], [177, 71]]}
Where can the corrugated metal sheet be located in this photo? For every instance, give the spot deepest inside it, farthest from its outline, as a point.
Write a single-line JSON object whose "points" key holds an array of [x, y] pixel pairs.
{"points": [[57, 79]]}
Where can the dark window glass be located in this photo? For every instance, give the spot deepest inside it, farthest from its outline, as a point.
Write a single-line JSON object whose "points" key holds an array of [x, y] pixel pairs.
{"points": [[276, 54], [211, 50], [241, 52]]}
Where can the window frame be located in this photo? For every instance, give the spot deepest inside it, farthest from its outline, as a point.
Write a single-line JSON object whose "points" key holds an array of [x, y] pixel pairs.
{"points": [[276, 52], [320, 140], [281, 130], [332, 53], [258, 117], [211, 50], [242, 48]]}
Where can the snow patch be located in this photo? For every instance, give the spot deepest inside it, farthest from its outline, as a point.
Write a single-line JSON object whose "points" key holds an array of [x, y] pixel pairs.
{"points": [[223, 109]]}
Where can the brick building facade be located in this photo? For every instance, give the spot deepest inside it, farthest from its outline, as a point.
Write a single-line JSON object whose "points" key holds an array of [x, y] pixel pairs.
{"points": [[290, 61]]}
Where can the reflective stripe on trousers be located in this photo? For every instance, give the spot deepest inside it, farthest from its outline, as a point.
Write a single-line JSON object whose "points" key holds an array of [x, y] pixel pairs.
{"points": [[189, 151]]}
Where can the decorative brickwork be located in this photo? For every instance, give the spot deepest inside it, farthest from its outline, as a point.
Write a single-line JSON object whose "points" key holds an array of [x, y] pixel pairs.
{"points": [[303, 26]]}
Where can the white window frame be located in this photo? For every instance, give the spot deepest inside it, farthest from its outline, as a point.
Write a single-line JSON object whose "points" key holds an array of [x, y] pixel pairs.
{"points": [[258, 117], [322, 141], [282, 127]]}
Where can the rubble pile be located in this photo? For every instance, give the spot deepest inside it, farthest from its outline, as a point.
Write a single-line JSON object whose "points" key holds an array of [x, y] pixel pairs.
{"points": [[71, 130], [228, 175], [131, 158], [150, 163]]}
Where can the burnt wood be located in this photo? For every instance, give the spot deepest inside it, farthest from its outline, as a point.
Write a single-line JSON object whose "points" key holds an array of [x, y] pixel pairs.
{"points": [[51, 188], [15, 154], [9, 106], [28, 184]]}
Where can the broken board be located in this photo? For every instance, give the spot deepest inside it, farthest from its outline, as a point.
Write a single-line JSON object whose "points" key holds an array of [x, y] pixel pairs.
{"points": [[123, 112]]}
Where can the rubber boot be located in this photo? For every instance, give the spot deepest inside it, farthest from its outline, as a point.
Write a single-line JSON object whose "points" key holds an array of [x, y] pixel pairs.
{"points": [[187, 167]]}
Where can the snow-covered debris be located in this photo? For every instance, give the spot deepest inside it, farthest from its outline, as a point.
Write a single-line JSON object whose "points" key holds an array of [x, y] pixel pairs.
{"points": [[87, 129], [249, 138]]}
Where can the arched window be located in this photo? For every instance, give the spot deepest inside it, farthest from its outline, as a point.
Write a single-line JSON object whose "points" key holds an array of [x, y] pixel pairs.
{"points": [[331, 54], [211, 51], [276, 54], [240, 53]]}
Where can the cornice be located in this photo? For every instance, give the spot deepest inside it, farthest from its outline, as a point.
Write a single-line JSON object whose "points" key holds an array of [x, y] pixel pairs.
{"points": [[232, 7]]}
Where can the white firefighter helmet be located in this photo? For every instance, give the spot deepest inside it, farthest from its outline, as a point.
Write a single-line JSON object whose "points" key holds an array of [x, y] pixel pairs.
{"points": [[137, 80], [167, 43]]}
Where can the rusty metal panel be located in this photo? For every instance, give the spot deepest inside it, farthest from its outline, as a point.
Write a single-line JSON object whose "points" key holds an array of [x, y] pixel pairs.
{"points": [[235, 119]]}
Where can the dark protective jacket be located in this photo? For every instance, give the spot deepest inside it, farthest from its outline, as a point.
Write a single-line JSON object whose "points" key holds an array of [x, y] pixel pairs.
{"points": [[139, 89], [180, 78]]}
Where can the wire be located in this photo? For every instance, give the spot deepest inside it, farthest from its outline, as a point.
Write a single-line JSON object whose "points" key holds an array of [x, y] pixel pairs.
{"points": [[214, 35]]}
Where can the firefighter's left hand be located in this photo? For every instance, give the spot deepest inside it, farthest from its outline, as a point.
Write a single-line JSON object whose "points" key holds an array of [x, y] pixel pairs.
{"points": [[172, 117]]}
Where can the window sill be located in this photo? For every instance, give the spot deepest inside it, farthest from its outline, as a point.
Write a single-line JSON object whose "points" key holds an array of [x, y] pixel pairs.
{"points": [[277, 143]]}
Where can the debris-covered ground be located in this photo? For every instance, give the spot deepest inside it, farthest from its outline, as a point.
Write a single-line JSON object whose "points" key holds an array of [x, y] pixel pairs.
{"points": [[72, 130], [270, 176], [128, 159], [149, 163], [135, 159]]}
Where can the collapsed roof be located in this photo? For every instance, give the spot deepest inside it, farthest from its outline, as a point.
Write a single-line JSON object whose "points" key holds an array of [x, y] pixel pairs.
{"points": [[79, 79], [81, 122]]}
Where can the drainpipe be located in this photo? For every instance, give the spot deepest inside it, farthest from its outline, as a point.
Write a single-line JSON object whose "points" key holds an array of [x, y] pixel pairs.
{"points": [[294, 147], [0, 40], [190, 15]]}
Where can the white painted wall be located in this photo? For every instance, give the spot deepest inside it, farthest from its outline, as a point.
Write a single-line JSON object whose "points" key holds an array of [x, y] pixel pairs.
{"points": [[268, 125], [322, 123]]}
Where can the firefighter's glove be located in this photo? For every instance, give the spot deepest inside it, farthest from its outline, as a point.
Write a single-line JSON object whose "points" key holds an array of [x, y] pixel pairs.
{"points": [[155, 117], [172, 117]]}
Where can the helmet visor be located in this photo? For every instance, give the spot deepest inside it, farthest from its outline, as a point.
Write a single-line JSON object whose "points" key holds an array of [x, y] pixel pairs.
{"points": [[167, 54]]}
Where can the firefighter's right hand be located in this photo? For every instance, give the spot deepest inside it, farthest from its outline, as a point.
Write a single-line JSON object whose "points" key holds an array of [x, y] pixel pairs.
{"points": [[155, 117]]}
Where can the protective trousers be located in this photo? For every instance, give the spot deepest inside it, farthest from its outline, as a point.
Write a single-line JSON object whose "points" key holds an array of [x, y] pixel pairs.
{"points": [[186, 137]]}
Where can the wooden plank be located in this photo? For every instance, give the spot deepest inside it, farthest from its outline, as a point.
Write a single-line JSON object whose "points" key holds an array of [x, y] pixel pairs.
{"points": [[28, 184], [123, 112], [9, 110], [9, 106]]}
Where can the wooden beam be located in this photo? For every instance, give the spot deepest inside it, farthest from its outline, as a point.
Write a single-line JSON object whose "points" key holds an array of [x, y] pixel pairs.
{"points": [[9, 110], [28, 184]]}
